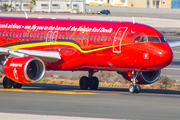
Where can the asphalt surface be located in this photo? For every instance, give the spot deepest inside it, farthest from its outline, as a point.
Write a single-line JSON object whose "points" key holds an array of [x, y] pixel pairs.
{"points": [[138, 12], [110, 103], [114, 103]]}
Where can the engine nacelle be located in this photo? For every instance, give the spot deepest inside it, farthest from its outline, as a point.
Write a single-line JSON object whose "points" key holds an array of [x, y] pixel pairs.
{"points": [[24, 70], [144, 77]]}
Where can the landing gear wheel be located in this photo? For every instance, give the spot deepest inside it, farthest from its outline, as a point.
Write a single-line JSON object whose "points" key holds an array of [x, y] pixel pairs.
{"points": [[84, 83], [94, 83], [138, 88], [17, 85], [7, 83], [132, 89]]}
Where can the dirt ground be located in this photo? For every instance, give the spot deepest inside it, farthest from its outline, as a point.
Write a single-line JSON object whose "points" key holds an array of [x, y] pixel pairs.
{"points": [[105, 80]]}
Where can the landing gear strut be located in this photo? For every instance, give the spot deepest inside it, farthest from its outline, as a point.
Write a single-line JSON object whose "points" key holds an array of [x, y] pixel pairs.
{"points": [[134, 88], [8, 83], [90, 81]]}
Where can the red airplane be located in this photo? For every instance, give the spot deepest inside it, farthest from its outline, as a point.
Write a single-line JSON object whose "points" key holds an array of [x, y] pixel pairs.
{"points": [[29, 46]]}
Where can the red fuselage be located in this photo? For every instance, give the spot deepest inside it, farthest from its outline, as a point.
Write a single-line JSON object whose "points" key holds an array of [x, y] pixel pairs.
{"points": [[89, 45]]}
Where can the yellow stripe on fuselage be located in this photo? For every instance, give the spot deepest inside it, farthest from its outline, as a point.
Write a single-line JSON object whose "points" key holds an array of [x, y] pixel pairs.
{"points": [[28, 45]]}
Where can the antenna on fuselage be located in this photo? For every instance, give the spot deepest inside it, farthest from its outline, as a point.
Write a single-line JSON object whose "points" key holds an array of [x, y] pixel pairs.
{"points": [[132, 32], [26, 15], [133, 20]]}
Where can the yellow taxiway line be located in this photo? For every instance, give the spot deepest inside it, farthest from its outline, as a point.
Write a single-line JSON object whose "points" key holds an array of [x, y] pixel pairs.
{"points": [[58, 92], [79, 92]]}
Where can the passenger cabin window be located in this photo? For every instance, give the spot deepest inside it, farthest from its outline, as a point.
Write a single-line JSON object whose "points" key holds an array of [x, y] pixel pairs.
{"points": [[136, 40], [66, 36], [163, 39], [59, 36], [84, 37], [27, 35], [143, 39], [34, 35], [77, 37], [70, 36], [105, 38], [38, 35], [153, 39], [91, 37], [3, 34], [17, 34], [44, 36], [80, 37], [95, 38], [87, 37], [63, 36], [55, 36], [0, 33], [20, 35], [49, 36], [7, 34], [24, 34], [10, 34], [14, 34], [102, 38], [98, 38], [31, 35], [41, 35], [74, 37]]}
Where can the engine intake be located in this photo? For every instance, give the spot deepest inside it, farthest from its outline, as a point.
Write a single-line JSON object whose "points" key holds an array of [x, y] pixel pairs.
{"points": [[144, 77], [148, 77], [24, 70]]}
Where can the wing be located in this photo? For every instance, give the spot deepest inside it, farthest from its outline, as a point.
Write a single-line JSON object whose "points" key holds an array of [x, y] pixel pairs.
{"points": [[174, 44], [45, 56]]}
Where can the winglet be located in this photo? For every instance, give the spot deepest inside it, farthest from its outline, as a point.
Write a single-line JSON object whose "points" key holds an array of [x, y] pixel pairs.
{"points": [[26, 15]]}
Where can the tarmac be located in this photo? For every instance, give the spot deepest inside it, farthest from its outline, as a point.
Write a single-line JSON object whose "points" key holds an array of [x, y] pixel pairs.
{"points": [[150, 104]]}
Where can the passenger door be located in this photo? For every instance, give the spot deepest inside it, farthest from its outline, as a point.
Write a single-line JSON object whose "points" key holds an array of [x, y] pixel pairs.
{"points": [[118, 39]]}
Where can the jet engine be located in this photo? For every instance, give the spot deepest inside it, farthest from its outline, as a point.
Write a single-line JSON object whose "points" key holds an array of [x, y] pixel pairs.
{"points": [[144, 77], [24, 70]]}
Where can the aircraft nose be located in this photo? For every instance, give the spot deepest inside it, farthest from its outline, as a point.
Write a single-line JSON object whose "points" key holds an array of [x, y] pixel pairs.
{"points": [[166, 55]]}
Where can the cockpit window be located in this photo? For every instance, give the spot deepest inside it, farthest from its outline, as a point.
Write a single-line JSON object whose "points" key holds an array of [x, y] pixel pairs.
{"points": [[162, 39], [137, 39], [153, 39], [143, 39]]}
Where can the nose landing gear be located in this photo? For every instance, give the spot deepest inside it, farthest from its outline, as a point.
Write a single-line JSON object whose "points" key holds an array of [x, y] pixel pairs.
{"points": [[89, 82], [134, 88]]}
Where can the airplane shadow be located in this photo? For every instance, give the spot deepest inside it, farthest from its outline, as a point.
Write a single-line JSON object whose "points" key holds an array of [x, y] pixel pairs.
{"points": [[40, 86]]}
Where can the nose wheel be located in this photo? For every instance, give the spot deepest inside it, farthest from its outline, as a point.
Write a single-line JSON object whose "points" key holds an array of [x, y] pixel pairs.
{"points": [[134, 88], [89, 82]]}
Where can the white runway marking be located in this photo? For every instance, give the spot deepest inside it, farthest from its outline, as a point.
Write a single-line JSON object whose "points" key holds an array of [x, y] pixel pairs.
{"points": [[19, 116], [171, 68]]}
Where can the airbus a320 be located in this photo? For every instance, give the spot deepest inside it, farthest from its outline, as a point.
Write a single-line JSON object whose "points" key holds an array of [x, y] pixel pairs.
{"points": [[30, 46]]}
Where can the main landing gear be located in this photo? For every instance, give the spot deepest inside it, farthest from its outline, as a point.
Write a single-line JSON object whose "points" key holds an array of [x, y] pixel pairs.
{"points": [[90, 81], [134, 88], [8, 83]]}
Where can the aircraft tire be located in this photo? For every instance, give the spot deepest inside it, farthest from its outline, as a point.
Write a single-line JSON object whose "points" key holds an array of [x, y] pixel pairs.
{"points": [[7, 83], [138, 88], [132, 89], [17, 85], [84, 83], [94, 83]]}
